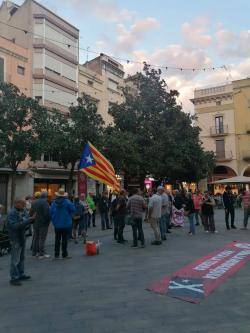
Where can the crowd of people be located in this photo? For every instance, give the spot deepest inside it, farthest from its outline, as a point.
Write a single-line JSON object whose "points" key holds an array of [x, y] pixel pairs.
{"points": [[71, 217]]}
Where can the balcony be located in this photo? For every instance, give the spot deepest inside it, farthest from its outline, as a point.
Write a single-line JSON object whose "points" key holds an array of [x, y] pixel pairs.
{"points": [[219, 130], [45, 165], [246, 155], [223, 156]]}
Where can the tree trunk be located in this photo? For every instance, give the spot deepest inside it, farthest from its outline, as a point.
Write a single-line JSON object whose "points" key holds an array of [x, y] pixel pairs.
{"points": [[142, 181], [13, 187], [70, 180]]}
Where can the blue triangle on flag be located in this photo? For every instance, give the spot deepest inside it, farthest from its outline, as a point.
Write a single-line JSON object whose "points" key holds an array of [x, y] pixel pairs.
{"points": [[87, 158]]}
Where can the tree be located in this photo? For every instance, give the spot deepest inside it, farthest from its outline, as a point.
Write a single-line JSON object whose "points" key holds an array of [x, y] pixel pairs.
{"points": [[69, 133], [19, 116], [152, 135]]}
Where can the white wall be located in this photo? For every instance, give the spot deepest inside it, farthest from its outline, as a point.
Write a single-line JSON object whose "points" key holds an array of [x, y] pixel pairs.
{"points": [[58, 96]]}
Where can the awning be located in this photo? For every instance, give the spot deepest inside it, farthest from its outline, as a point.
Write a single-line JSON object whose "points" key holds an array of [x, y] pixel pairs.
{"points": [[233, 180]]}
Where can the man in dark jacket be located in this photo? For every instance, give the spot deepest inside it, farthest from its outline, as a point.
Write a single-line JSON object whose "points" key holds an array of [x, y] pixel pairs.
{"points": [[41, 207], [104, 209], [61, 212], [17, 222], [228, 203]]}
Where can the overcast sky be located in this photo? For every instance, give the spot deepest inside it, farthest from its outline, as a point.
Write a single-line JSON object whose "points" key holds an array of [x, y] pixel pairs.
{"points": [[193, 33]]}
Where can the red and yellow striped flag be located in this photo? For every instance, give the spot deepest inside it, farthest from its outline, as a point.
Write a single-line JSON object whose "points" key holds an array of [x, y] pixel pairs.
{"points": [[97, 167]]}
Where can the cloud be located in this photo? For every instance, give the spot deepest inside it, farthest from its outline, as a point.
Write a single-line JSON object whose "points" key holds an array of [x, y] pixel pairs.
{"points": [[195, 33], [127, 38], [106, 10], [230, 44]]}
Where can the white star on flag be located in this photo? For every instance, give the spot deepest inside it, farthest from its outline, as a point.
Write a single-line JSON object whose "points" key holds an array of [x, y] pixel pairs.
{"points": [[89, 159]]}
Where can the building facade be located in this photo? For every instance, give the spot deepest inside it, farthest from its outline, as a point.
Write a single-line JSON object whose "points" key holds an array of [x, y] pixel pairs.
{"points": [[241, 92], [54, 50], [223, 114], [91, 83], [110, 74], [15, 68], [15, 65], [52, 73]]}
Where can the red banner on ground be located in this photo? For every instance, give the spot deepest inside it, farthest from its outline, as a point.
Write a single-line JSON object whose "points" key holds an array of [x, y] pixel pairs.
{"points": [[197, 280]]}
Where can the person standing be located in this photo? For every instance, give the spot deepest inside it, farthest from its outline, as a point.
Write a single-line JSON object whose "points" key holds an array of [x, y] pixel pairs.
{"points": [[84, 216], [113, 213], [228, 203], [164, 212], [41, 224], [28, 203], [17, 221], [92, 209], [207, 212], [178, 210], [104, 210], [136, 206], [190, 212], [121, 212], [61, 212], [197, 198], [154, 215], [246, 206]]}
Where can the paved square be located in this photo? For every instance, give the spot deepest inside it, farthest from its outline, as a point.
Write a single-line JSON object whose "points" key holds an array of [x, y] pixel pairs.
{"points": [[106, 293]]}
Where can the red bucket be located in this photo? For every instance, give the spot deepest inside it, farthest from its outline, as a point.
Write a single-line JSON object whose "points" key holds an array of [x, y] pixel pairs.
{"points": [[91, 248]]}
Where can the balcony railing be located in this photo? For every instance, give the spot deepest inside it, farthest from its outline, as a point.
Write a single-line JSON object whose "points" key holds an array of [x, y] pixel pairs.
{"points": [[219, 130], [246, 155], [45, 165], [223, 156]]}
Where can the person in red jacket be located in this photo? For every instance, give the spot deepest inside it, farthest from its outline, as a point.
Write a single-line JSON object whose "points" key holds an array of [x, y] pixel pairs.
{"points": [[197, 198]]}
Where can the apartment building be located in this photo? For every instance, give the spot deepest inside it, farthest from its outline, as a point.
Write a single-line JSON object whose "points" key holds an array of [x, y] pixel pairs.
{"points": [[223, 114], [54, 45], [15, 68], [241, 93], [15, 65], [91, 83], [106, 83], [53, 76]]}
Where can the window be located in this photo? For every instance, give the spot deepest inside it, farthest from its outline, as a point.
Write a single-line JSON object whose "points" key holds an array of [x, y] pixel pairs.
{"points": [[1, 70], [38, 98], [112, 85], [90, 83], [49, 157], [51, 70], [220, 148], [20, 70], [219, 127], [218, 102]]}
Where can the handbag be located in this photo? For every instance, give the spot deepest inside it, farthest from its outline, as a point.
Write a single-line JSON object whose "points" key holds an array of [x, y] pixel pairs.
{"points": [[129, 220], [186, 212], [76, 217]]}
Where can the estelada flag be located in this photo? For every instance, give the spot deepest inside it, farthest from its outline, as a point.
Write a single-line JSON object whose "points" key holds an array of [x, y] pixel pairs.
{"points": [[97, 167]]}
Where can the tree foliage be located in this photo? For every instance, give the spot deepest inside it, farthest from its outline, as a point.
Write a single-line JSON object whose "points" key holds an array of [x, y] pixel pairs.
{"points": [[68, 133], [152, 135], [20, 117]]}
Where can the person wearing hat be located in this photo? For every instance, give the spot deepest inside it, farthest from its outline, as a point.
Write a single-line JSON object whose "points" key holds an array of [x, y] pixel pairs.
{"points": [[61, 212], [37, 195], [228, 203]]}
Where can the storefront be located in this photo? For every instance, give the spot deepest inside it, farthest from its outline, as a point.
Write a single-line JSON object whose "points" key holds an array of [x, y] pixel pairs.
{"points": [[49, 185]]}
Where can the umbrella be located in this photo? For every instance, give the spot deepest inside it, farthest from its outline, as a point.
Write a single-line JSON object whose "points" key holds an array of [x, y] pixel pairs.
{"points": [[233, 180]]}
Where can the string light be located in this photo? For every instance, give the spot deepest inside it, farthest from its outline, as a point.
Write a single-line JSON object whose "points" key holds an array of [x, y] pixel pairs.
{"points": [[117, 58]]}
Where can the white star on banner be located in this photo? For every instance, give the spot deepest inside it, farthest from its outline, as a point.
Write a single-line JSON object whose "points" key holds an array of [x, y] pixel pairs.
{"points": [[89, 159]]}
